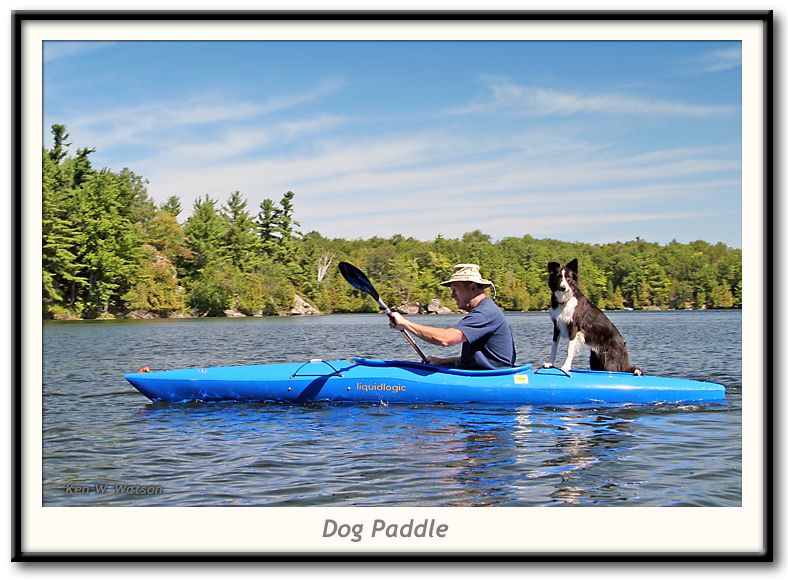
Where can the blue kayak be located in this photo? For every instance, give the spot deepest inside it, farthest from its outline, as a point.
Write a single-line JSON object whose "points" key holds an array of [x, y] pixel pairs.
{"points": [[383, 381]]}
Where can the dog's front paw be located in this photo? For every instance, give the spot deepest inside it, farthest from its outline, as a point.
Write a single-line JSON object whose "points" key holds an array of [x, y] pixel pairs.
{"points": [[566, 368], [547, 365], [637, 372]]}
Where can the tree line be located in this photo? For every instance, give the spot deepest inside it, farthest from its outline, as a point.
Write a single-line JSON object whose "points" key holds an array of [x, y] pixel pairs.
{"points": [[109, 250]]}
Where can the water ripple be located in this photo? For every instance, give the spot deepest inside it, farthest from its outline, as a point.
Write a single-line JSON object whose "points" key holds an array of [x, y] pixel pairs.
{"points": [[99, 429]]}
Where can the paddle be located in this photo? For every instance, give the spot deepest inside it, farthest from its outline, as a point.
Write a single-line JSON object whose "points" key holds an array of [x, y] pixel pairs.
{"points": [[359, 281]]}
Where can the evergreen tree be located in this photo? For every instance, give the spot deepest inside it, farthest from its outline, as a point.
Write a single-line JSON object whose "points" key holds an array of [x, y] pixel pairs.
{"points": [[205, 230], [111, 247], [266, 227], [277, 230], [286, 226], [59, 149], [108, 248], [242, 244], [82, 167], [172, 206], [135, 203], [61, 271]]}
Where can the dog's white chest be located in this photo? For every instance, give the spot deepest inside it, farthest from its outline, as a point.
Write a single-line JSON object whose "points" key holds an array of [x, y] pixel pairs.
{"points": [[563, 315]]}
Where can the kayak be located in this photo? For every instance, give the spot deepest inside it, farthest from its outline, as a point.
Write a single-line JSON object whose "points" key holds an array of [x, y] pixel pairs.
{"points": [[363, 380]]}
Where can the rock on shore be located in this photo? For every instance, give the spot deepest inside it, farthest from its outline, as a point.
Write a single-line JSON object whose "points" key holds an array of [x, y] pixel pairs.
{"points": [[435, 307], [412, 308], [302, 308]]}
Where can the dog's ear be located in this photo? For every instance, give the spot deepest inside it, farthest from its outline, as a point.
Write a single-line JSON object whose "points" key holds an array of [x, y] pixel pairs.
{"points": [[572, 266], [553, 267]]}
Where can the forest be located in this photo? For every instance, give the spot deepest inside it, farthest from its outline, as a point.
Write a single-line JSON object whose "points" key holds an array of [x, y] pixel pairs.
{"points": [[110, 251]]}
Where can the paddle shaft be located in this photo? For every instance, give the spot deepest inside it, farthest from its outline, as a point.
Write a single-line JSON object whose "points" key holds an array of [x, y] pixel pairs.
{"points": [[359, 281], [405, 333]]}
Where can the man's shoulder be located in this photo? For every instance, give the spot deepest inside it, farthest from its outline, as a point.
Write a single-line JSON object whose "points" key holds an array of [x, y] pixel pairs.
{"points": [[488, 305]]}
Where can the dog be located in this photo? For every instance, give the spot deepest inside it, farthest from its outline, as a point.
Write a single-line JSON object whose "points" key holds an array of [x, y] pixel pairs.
{"points": [[577, 319]]}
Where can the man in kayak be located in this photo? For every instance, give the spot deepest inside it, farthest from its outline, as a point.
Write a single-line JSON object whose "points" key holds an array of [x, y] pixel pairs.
{"points": [[485, 335]]}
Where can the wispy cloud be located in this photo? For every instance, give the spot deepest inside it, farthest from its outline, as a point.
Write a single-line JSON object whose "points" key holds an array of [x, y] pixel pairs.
{"points": [[57, 49], [439, 182], [719, 60], [550, 157], [239, 141], [515, 99], [322, 89], [149, 123]]}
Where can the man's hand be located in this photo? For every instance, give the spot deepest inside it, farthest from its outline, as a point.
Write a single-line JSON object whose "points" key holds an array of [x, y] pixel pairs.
{"points": [[432, 334], [396, 321]]}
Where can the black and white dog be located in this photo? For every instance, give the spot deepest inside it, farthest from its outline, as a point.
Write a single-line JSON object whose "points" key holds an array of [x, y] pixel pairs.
{"points": [[575, 318]]}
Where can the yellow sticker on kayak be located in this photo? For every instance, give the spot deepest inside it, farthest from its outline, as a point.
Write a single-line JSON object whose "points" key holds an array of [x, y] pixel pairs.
{"points": [[520, 379]]}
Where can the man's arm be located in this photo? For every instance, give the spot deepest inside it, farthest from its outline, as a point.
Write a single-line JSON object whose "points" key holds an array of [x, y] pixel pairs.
{"points": [[432, 334]]}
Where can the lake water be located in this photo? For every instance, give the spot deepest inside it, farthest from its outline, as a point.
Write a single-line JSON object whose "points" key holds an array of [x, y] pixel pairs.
{"points": [[99, 431]]}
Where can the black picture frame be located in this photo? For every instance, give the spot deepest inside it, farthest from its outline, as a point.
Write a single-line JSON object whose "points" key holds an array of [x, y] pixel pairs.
{"points": [[21, 527]]}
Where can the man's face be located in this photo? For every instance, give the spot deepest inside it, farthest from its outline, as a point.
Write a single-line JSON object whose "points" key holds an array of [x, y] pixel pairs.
{"points": [[462, 292]]}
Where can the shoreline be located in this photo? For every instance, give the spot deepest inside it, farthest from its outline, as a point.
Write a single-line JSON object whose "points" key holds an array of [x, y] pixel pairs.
{"points": [[428, 314]]}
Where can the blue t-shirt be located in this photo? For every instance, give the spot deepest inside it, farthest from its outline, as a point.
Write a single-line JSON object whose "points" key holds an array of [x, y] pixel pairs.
{"points": [[490, 342]]}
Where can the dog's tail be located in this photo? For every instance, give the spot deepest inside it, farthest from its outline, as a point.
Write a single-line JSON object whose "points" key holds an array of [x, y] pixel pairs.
{"points": [[633, 370]]}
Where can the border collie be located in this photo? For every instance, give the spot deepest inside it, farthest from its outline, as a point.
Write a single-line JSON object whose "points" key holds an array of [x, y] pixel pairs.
{"points": [[575, 318]]}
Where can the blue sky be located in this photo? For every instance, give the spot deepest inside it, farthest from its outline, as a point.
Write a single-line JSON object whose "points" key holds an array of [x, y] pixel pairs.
{"points": [[578, 141]]}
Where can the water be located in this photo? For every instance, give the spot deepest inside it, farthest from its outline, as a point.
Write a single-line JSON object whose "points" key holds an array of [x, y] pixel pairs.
{"points": [[98, 430]]}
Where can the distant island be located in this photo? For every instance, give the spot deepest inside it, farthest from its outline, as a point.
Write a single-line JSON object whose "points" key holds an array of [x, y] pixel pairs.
{"points": [[109, 251]]}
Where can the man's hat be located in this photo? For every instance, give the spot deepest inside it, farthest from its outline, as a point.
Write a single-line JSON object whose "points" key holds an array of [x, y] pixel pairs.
{"points": [[466, 273]]}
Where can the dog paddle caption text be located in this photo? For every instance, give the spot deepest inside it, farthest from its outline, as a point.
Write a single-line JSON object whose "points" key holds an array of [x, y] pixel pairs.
{"points": [[426, 528]]}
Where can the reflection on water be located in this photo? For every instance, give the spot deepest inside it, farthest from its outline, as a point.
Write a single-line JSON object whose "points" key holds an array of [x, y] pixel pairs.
{"points": [[97, 429]]}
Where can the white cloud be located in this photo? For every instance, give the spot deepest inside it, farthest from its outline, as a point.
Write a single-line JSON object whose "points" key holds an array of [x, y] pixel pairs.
{"points": [[322, 89], [230, 144], [510, 98], [152, 123], [289, 130], [429, 183], [720, 60], [57, 49], [239, 141]]}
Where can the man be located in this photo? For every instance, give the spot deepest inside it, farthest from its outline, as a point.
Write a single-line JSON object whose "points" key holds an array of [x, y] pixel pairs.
{"points": [[484, 333]]}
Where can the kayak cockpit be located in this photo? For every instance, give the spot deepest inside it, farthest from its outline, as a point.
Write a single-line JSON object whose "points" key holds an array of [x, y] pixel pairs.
{"points": [[369, 362]]}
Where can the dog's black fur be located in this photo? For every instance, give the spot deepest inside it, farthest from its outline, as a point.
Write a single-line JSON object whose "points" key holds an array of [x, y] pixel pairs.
{"points": [[576, 318]]}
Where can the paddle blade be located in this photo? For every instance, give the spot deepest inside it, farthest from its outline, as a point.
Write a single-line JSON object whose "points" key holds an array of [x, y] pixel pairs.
{"points": [[357, 279]]}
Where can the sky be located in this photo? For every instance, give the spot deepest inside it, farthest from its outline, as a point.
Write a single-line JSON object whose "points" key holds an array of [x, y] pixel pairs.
{"points": [[591, 142]]}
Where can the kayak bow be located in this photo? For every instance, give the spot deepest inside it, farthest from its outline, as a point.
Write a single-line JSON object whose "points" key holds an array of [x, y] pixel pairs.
{"points": [[373, 381]]}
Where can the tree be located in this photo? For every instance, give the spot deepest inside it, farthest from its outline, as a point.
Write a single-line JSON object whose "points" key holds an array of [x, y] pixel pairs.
{"points": [[61, 270], [110, 251], [402, 277], [266, 228], [212, 293], [107, 247], [172, 206], [205, 230], [135, 203], [91, 247], [166, 235], [721, 297], [58, 151], [279, 238], [323, 264], [82, 166], [242, 245], [156, 288]]}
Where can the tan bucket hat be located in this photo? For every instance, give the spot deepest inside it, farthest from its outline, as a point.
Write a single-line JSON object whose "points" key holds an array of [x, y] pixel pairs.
{"points": [[467, 273]]}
